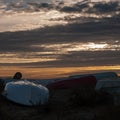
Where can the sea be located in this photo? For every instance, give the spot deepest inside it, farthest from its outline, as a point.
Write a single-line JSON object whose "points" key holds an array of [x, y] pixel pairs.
{"points": [[48, 38]]}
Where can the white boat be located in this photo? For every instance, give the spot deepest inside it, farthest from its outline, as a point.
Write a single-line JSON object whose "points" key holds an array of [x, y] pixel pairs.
{"points": [[98, 76], [109, 85], [26, 93]]}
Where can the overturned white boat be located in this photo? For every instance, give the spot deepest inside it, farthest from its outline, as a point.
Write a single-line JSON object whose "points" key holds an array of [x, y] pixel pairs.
{"points": [[99, 76], [111, 86], [26, 93]]}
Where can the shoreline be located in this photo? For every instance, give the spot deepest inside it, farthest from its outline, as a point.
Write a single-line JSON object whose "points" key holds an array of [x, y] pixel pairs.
{"points": [[52, 73]]}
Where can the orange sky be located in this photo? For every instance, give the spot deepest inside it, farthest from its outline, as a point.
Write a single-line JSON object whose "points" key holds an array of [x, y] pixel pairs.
{"points": [[45, 73]]}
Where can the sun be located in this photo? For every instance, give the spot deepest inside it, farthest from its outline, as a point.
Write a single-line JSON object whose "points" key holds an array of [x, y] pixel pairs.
{"points": [[96, 46]]}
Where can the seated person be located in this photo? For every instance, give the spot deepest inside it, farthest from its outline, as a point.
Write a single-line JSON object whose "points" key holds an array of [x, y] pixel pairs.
{"points": [[1, 85], [18, 75]]}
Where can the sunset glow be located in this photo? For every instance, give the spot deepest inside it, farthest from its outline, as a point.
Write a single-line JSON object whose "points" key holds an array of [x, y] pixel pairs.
{"points": [[47, 73], [49, 38], [54, 51]]}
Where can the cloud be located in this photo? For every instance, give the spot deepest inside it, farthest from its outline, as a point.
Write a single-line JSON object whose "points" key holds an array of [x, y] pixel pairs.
{"points": [[92, 7], [63, 6], [106, 7], [49, 43], [79, 59], [36, 44]]}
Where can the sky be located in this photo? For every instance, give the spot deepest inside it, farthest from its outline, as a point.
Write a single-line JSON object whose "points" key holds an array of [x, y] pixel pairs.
{"points": [[48, 41]]}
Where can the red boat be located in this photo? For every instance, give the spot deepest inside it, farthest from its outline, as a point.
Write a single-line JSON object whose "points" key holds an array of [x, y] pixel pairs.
{"points": [[73, 82]]}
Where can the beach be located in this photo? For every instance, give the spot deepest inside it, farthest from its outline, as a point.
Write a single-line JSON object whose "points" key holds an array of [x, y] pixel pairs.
{"points": [[63, 105], [77, 101], [58, 39]]}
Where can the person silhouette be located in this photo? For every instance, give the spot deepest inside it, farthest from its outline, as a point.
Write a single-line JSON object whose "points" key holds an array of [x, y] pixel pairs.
{"points": [[18, 75], [2, 86]]}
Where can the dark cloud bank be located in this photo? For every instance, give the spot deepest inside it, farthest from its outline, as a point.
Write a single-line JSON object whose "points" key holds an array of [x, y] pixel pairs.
{"points": [[82, 6]]}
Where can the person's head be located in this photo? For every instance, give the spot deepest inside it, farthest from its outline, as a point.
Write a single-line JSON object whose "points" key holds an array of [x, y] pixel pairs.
{"points": [[18, 75]]}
